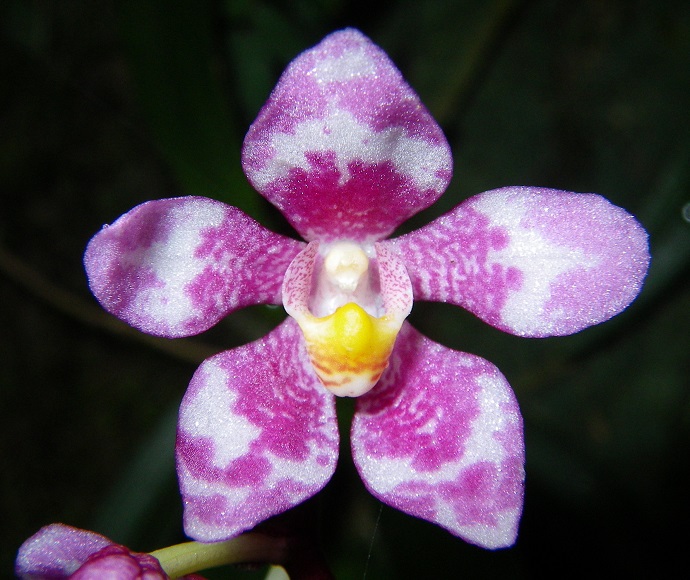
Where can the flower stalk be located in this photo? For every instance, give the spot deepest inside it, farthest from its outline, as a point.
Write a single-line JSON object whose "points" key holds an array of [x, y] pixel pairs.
{"points": [[188, 557]]}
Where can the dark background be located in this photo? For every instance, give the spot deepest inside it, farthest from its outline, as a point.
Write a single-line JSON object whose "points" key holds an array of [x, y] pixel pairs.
{"points": [[106, 104]]}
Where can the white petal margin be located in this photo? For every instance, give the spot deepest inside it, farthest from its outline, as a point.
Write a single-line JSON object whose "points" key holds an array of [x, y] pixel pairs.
{"points": [[257, 435], [440, 438]]}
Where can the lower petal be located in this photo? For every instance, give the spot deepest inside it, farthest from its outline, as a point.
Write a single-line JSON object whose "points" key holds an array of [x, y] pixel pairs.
{"points": [[257, 435], [440, 438]]}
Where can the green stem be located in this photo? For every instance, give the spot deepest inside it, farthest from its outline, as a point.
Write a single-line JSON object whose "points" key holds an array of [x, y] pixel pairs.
{"points": [[191, 557]]}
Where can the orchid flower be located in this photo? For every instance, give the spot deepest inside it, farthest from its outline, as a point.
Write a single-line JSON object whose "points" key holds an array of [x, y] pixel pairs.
{"points": [[347, 152]]}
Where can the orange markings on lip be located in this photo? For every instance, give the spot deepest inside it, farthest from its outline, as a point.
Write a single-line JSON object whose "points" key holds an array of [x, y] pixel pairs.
{"points": [[349, 349]]}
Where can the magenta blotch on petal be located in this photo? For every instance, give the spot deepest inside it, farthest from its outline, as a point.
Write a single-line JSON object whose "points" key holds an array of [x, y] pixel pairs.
{"points": [[175, 267], [257, 435], [396, 289], [532, 262], [343, 146], [440, 437]]}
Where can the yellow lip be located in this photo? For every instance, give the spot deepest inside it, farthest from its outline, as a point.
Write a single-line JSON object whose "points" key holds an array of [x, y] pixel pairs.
{"points": [[349, 349]]}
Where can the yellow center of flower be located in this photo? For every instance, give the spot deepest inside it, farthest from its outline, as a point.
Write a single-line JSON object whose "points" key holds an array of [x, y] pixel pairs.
{"points": [[349, 316], [349, 349]]}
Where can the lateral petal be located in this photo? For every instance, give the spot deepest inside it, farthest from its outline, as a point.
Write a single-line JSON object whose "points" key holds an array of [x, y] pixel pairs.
{"points": [[343, 146], [440, 438], [257, 435], [532, 262], [175, 267]]}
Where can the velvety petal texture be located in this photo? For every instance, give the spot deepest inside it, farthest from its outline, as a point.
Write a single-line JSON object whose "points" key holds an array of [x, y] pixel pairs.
{"points": [[175, 267], [440, 438], [257, 435], [532, 262], [343, 146]]}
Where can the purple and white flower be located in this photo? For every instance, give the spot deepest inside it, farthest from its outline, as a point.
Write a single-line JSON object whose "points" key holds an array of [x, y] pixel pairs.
{"points": [[345, 149]]}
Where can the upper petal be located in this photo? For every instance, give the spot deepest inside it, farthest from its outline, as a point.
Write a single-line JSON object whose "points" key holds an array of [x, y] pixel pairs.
{"points": [[257, 435], [174, 267], [343, 146], [533, 262], [440, 437]]}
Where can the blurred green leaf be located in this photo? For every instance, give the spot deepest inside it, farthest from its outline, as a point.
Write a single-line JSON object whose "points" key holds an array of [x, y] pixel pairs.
{"points": [[261, 39], [170, 48], [123, 513]]}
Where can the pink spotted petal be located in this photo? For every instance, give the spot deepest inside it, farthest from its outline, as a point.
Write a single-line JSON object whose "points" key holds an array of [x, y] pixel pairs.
{"points": [[440, 438], [174, 267], [297, 283], [57, 551], [257, 435], [396, 289], [343, 147], [532, 262]]}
